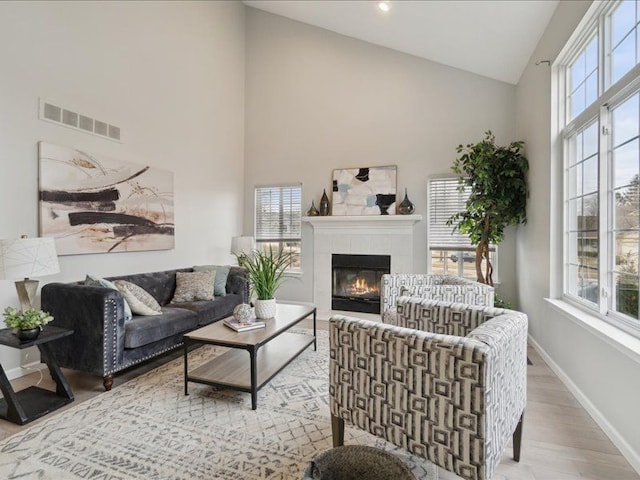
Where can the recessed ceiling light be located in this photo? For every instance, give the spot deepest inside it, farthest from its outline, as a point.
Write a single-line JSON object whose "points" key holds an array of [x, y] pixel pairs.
{"points": [[384, 6]]}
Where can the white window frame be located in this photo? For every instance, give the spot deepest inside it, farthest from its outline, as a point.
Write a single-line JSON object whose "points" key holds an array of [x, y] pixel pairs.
{"points": [[596, 21], [458, 249], [263, 238]]}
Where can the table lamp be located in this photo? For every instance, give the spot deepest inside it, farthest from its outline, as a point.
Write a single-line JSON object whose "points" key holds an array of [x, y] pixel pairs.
{"points": [[27, 257], [242, 247]]}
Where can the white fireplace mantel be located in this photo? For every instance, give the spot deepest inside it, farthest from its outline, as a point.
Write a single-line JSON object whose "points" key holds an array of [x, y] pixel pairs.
{"points": [[357, 235], [363, 221]]}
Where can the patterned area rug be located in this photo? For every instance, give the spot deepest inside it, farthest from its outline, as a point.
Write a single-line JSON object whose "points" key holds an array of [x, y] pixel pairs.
{"points": [[148, 429]]}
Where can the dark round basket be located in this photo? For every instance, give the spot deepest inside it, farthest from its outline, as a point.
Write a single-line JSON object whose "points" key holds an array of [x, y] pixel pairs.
{"points": [[357, 462]]}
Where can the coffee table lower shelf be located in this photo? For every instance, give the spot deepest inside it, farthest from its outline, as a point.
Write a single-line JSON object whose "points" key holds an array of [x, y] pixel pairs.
{"points": [[232, 370]]}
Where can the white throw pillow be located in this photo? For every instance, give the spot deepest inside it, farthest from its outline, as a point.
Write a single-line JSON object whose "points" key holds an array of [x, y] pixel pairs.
{"points": [[140, 301]]}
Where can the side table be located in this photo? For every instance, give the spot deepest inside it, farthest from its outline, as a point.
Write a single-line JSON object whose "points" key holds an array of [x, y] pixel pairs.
{"points": [[34, 402]]}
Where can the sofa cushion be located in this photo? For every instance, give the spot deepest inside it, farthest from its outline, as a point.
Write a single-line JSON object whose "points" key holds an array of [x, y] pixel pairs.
{"points": [[144, 330], [140, 301], [209, 312], [101, 282], [193, 286]]}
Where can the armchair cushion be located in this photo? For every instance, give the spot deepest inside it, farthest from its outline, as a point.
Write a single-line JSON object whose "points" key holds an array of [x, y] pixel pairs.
{"points": [[437, 316]]}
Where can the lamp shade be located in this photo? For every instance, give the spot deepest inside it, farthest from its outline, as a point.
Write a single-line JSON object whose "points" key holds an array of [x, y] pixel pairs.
{"points": [[242, 245], [28, 257]]}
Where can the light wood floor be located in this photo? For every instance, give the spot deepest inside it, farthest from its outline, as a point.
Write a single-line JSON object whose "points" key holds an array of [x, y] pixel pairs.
{"points": [[560, 440]]}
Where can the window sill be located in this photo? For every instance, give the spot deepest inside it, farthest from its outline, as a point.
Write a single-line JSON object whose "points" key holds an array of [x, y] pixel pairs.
{"points": [[622, 341]]}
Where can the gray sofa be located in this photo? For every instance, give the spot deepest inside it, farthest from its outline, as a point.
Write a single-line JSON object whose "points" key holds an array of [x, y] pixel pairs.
{"points": [[104, 344]]}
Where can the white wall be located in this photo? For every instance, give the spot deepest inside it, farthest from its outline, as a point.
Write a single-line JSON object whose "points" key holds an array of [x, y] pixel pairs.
{"points": [[603, 378], [317, 101], [170, 74]]}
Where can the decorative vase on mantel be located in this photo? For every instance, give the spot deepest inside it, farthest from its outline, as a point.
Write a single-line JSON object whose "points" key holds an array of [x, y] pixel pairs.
{"points": [[324, 204], [265, 308], [406, 207], [313, 211]]}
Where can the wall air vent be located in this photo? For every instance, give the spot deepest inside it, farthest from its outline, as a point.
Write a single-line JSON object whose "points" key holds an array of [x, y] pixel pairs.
{"points": [[51, 112]]}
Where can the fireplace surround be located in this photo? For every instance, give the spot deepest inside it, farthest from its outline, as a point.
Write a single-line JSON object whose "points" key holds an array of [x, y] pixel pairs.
{"points": [[390, 235], [355, 281]]}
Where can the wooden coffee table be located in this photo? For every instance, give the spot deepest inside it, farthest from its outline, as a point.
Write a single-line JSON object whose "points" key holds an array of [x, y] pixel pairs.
{"points": [[270, 350]]}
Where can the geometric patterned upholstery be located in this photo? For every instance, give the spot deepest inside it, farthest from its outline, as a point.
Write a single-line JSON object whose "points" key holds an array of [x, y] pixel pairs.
{"points": [[448, 288], [453, 399]]}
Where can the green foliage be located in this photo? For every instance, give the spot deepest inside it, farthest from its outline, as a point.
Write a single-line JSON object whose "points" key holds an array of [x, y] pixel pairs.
{"points": [[266, 271], [497, 179], [627, 298], [25, 320], [500, 303]]}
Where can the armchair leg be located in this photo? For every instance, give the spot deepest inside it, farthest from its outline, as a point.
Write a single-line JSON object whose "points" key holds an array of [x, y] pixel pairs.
{"points": [[337, 429], [517, 439]]}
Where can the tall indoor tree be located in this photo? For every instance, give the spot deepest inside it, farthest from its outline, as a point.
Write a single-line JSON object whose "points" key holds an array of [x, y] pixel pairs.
{"points": [[496, 179]]}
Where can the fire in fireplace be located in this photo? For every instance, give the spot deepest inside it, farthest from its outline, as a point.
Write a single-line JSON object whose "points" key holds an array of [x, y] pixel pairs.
{"points": [[356, 282]]}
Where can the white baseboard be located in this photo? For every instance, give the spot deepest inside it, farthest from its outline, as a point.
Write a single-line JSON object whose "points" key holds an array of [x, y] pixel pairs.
{"points": [[25, 370], [618, 440]]}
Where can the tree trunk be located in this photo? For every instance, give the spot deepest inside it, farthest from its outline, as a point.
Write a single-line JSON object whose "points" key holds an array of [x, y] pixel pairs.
{"points": [[482, 252], [479, 274]]}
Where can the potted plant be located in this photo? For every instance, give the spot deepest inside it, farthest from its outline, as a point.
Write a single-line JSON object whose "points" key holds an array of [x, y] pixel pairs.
{"points": [[28, 324], [265, 270], [497, 177]]}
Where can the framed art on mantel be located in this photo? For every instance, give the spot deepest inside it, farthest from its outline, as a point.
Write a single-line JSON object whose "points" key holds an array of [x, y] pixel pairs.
{"points": [[95, 204], [364, 191]]}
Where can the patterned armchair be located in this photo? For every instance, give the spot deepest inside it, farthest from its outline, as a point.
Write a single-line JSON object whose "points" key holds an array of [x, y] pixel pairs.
{"points": [[448, 288], [449, 385]]}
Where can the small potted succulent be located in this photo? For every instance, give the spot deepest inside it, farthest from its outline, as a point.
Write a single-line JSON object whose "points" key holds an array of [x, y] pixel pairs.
{"points": [[26, 325]]}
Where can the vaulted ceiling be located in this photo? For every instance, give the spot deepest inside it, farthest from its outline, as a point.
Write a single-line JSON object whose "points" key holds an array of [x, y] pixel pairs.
{"points": [[493, 38]]}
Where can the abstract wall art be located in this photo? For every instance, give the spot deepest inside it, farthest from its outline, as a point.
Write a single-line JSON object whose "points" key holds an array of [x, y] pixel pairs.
{"points": [[92, 204], [364, 191]]}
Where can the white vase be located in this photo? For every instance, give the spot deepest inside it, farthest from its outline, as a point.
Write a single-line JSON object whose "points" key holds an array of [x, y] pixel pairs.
{"points": [[265, 308]]}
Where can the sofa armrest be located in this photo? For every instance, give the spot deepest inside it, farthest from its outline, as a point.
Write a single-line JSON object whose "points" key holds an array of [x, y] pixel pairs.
{"points": [[96, 314], [238, 283]]}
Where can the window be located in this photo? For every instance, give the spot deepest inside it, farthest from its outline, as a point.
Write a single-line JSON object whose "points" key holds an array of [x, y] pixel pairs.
{"points": [[599, 80], [278, 220], [451, 251]]}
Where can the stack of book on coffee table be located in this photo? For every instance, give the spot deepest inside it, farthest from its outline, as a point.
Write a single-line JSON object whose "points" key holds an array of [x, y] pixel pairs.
{"points": [[243, 326]]}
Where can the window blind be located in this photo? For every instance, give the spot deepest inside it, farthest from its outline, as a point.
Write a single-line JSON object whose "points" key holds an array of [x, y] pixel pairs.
{"points": [[278, 213], [446, 200]]}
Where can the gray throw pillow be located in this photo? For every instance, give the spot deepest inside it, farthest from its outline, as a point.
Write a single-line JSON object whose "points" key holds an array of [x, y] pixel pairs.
{"points": [[193, 286], [101, 282], [140, 301], [220, 282]]}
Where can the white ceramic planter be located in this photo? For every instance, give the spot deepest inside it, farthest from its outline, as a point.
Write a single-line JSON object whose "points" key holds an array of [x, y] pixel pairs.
{"points": [[265, 308]]}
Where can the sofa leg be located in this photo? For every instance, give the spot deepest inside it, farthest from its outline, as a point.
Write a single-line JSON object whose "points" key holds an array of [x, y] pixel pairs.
{"points": [[107, 382], [337, 429], [517, 439]]}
